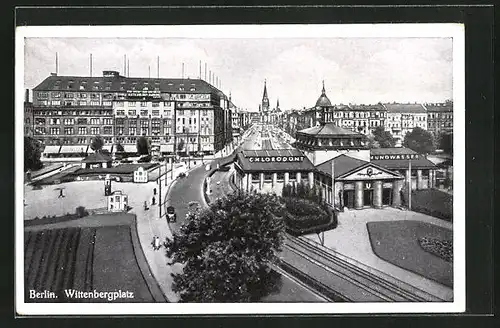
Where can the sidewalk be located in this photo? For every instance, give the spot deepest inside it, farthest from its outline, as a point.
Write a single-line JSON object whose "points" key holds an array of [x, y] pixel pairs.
{"points": [[351, 239], [149, 225]]}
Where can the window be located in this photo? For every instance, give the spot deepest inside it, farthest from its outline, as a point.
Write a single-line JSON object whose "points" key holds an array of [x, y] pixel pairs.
{"points": [[144, 103], [193, 112], [131, 104], [167, 112], [180, 112], [39, 121], [107, 103], [107, 121], [255, 176], [205, 112], [68, 130], [82, 130], [95, 121], [132, 122], [132, 112], [156, 112], [42, 95], [69, 121], [144, 112], [155, 104], [107, 130], [94, 103], [56, 103], [132, 131], [55, 121], [120, 112], [40, 130], [56, 95], [167, 103], [54, 130], [119, 131], [94, 130], [144, 123]]}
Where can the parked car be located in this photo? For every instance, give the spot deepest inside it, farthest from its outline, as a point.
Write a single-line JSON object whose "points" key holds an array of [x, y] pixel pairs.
{"points": [[171, 215]]}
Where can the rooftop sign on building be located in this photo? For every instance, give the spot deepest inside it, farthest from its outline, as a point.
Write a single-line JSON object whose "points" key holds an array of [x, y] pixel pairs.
{"points": [[155, 94], [394, 157], [272, 159]]}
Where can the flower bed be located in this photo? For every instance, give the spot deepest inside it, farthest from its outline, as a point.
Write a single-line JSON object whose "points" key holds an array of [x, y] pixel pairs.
{"points": [[303, 214], [438, 247]]}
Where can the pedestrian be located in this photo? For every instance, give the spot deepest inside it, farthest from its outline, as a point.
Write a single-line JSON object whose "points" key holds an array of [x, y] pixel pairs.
{"points": [[154, 191], [61, 194], [145, 205], [156, 243], [153, 201]]}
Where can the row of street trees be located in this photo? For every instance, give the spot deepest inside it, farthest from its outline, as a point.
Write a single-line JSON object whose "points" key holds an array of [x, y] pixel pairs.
{"points": [[419, 140]]}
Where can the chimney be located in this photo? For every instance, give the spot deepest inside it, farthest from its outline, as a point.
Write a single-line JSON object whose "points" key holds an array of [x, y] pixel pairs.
{"points": [[27, 96]]}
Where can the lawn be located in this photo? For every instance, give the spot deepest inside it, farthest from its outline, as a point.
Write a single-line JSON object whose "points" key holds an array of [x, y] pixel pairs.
{"points": [[433, 202], [397, 242], [83, 258], [115, 265]]}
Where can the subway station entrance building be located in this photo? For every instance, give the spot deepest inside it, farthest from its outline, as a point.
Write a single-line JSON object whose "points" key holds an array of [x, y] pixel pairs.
{"points": [[363, 177]]}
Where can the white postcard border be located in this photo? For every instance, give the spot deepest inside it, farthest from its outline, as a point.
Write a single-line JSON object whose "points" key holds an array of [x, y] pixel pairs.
{"points": [[453, 30]]}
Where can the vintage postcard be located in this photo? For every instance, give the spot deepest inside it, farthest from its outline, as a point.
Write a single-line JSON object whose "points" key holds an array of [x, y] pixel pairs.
{"points": [[254, 168]]}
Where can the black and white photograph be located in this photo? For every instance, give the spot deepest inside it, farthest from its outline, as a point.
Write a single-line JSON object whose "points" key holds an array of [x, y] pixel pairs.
{"points": [[251, 168]]}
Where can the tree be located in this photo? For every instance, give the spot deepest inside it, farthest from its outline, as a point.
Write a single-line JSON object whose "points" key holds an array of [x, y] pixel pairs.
{"points": [[32, 153], [143, 147], [420, 141], [372, 143], [226, 249], [96, 144], [446, 143], [383, 138]]}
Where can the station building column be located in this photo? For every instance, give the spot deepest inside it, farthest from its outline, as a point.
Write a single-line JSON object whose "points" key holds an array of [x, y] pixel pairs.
{"points": [[311, 179], [419, 180], [396, 193], [358, 195], [377, 194], [261, 181], [286, 178], [275, 179]]}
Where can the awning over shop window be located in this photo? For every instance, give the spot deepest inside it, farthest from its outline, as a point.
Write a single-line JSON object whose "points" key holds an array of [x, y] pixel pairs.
{"points": [[73, 149], [166, 148], [51, 149]]}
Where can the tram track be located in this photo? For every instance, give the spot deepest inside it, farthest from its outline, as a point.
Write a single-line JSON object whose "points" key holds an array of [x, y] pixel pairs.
{"points": [[340, 279]]}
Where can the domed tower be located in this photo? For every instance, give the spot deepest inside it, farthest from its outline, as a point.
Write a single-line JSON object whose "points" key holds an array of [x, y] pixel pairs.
{"points": [[324, 108]]}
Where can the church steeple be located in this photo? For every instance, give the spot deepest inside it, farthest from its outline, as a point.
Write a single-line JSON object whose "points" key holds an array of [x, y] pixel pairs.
{"points": [[278, 103], [323, 92], [265, 99]]}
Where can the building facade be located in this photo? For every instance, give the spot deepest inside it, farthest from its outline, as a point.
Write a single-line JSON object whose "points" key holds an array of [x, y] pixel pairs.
{"points": [[28, 115], [440, 117], [403, 118], [73, 110]]}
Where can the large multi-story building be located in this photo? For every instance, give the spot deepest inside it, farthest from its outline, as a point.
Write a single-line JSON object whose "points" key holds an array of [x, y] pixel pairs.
{"points": [[440, 117], [28, 115], [178, 115], [402, 118]]}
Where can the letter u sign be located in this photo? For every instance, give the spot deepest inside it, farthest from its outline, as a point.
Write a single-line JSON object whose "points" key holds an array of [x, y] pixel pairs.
{"points": [[368, 185]]}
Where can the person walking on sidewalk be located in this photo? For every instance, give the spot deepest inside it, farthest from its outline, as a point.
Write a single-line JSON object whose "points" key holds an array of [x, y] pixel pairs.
{"points": [[156, 243], [61, 194]]}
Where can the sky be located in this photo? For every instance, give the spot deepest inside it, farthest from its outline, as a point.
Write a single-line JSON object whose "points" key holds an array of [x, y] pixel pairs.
{"points": [[354, 70]]}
